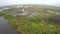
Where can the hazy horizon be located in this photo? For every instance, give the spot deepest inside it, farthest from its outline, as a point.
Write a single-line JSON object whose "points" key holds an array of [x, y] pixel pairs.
{"points": [[44, 2]]}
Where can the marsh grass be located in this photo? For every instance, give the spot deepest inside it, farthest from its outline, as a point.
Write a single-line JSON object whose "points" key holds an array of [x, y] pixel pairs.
{"points": [[39, 24]]}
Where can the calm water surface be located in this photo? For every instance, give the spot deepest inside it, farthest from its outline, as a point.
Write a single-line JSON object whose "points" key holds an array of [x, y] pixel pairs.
{"points": [[5, 27]]}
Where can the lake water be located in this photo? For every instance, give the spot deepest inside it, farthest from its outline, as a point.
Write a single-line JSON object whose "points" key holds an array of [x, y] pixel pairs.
{"points": [[5, 27]]}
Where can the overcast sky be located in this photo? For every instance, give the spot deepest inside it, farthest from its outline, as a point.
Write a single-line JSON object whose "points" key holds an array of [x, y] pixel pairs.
{"points": [[47, 2]]}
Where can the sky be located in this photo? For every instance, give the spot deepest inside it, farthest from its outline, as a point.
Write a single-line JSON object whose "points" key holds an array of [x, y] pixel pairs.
{"points": [[45, 2]]}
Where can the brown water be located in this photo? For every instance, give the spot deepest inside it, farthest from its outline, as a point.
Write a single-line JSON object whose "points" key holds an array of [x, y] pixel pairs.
{"points": [[5, 27]]}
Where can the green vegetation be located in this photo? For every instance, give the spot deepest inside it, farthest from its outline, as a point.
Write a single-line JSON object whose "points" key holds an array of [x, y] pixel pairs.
{"points": [[37, 21]]}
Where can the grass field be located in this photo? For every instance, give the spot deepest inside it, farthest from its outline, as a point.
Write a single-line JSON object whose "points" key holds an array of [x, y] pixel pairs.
{"points": [[34, 20]]}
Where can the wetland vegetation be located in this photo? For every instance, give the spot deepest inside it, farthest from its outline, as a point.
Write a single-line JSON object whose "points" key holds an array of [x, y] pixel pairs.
{"points": [[34, 19]]}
